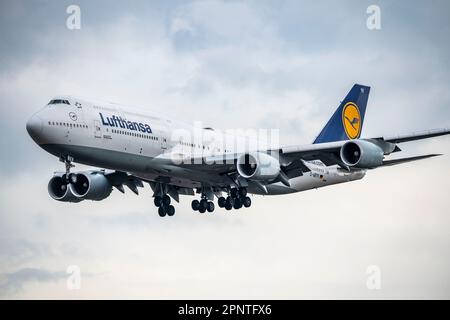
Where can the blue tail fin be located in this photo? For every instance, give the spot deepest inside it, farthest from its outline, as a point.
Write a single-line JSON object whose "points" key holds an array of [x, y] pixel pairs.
{"points": [[347, 121]]}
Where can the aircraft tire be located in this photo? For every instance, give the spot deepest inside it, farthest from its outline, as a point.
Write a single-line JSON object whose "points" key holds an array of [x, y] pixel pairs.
{"points": [[204, 204], [242, 192], [221, 202], [157, 201], [170, 210], [166, 200], [237, 204], [195, 205], [210, 206], [162, 211], [229, 201]]}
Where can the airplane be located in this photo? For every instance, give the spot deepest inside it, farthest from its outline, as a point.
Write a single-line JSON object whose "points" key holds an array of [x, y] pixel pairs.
{"points": [[134, 146]]}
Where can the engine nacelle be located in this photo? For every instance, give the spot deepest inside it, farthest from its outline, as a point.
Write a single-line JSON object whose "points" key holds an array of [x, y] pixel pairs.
{"points": [[361, 154], [258, 166], [59, 189], [90, 185]]}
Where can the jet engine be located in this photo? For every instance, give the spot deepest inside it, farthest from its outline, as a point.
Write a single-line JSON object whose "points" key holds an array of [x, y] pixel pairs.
{"points": [[361, 154], [59, 189], [89, 185], [258, 166]]}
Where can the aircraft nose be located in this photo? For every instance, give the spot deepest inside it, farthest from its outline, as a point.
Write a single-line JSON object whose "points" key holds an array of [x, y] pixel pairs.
{"points": [[34, 127]]}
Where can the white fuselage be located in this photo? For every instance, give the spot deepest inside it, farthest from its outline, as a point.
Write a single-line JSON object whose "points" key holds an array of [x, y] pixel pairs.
{"points": [[150, 146]]}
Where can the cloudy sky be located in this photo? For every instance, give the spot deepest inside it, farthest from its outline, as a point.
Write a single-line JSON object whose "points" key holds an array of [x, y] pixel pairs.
{"points": [[230, 64]]}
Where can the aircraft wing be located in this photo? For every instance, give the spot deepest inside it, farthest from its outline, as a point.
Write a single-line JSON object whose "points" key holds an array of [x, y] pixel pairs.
{"points": [[417, 136], [328, 153], [221, 170], [290, 156]]}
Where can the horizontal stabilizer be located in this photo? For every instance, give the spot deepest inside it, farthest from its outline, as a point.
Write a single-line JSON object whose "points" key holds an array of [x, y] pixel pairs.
{"points": [[403, 160]]}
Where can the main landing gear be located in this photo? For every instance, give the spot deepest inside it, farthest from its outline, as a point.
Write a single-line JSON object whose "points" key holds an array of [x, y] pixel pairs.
{"points": [[164, 206], [203, 205], [236, 199]]}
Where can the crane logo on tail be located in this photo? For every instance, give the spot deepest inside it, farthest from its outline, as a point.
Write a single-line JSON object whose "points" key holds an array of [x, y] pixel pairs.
{"points": [[351, 120]]}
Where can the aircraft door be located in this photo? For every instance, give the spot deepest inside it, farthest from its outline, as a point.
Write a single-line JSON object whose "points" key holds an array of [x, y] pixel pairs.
{"points": [[163, 142], [97, 130]]}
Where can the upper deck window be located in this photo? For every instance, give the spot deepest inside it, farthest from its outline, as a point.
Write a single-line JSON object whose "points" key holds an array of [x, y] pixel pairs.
{"points": [[59, 101]]}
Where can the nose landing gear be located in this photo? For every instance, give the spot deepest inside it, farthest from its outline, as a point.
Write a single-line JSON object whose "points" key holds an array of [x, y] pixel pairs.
{"points": [[68, 165]]}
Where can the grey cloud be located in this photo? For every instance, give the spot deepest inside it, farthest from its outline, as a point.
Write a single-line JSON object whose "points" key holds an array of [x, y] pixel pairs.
{"points": [[19, 251], [14, 282], [19, 247]]}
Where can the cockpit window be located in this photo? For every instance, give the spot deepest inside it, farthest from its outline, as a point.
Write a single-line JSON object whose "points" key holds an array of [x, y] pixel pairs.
{"points": [[59, 101]]}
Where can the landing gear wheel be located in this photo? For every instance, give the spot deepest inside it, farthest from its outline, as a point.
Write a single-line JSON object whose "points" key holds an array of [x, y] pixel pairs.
{"points": [[221, 202], [247, 202], [237, 203], [210, 206], [203, 204], [229, 203], [195, 205], [202, 209], [158, 201], [170, 210], [166, 200], [162, 211], [242, 192]]}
